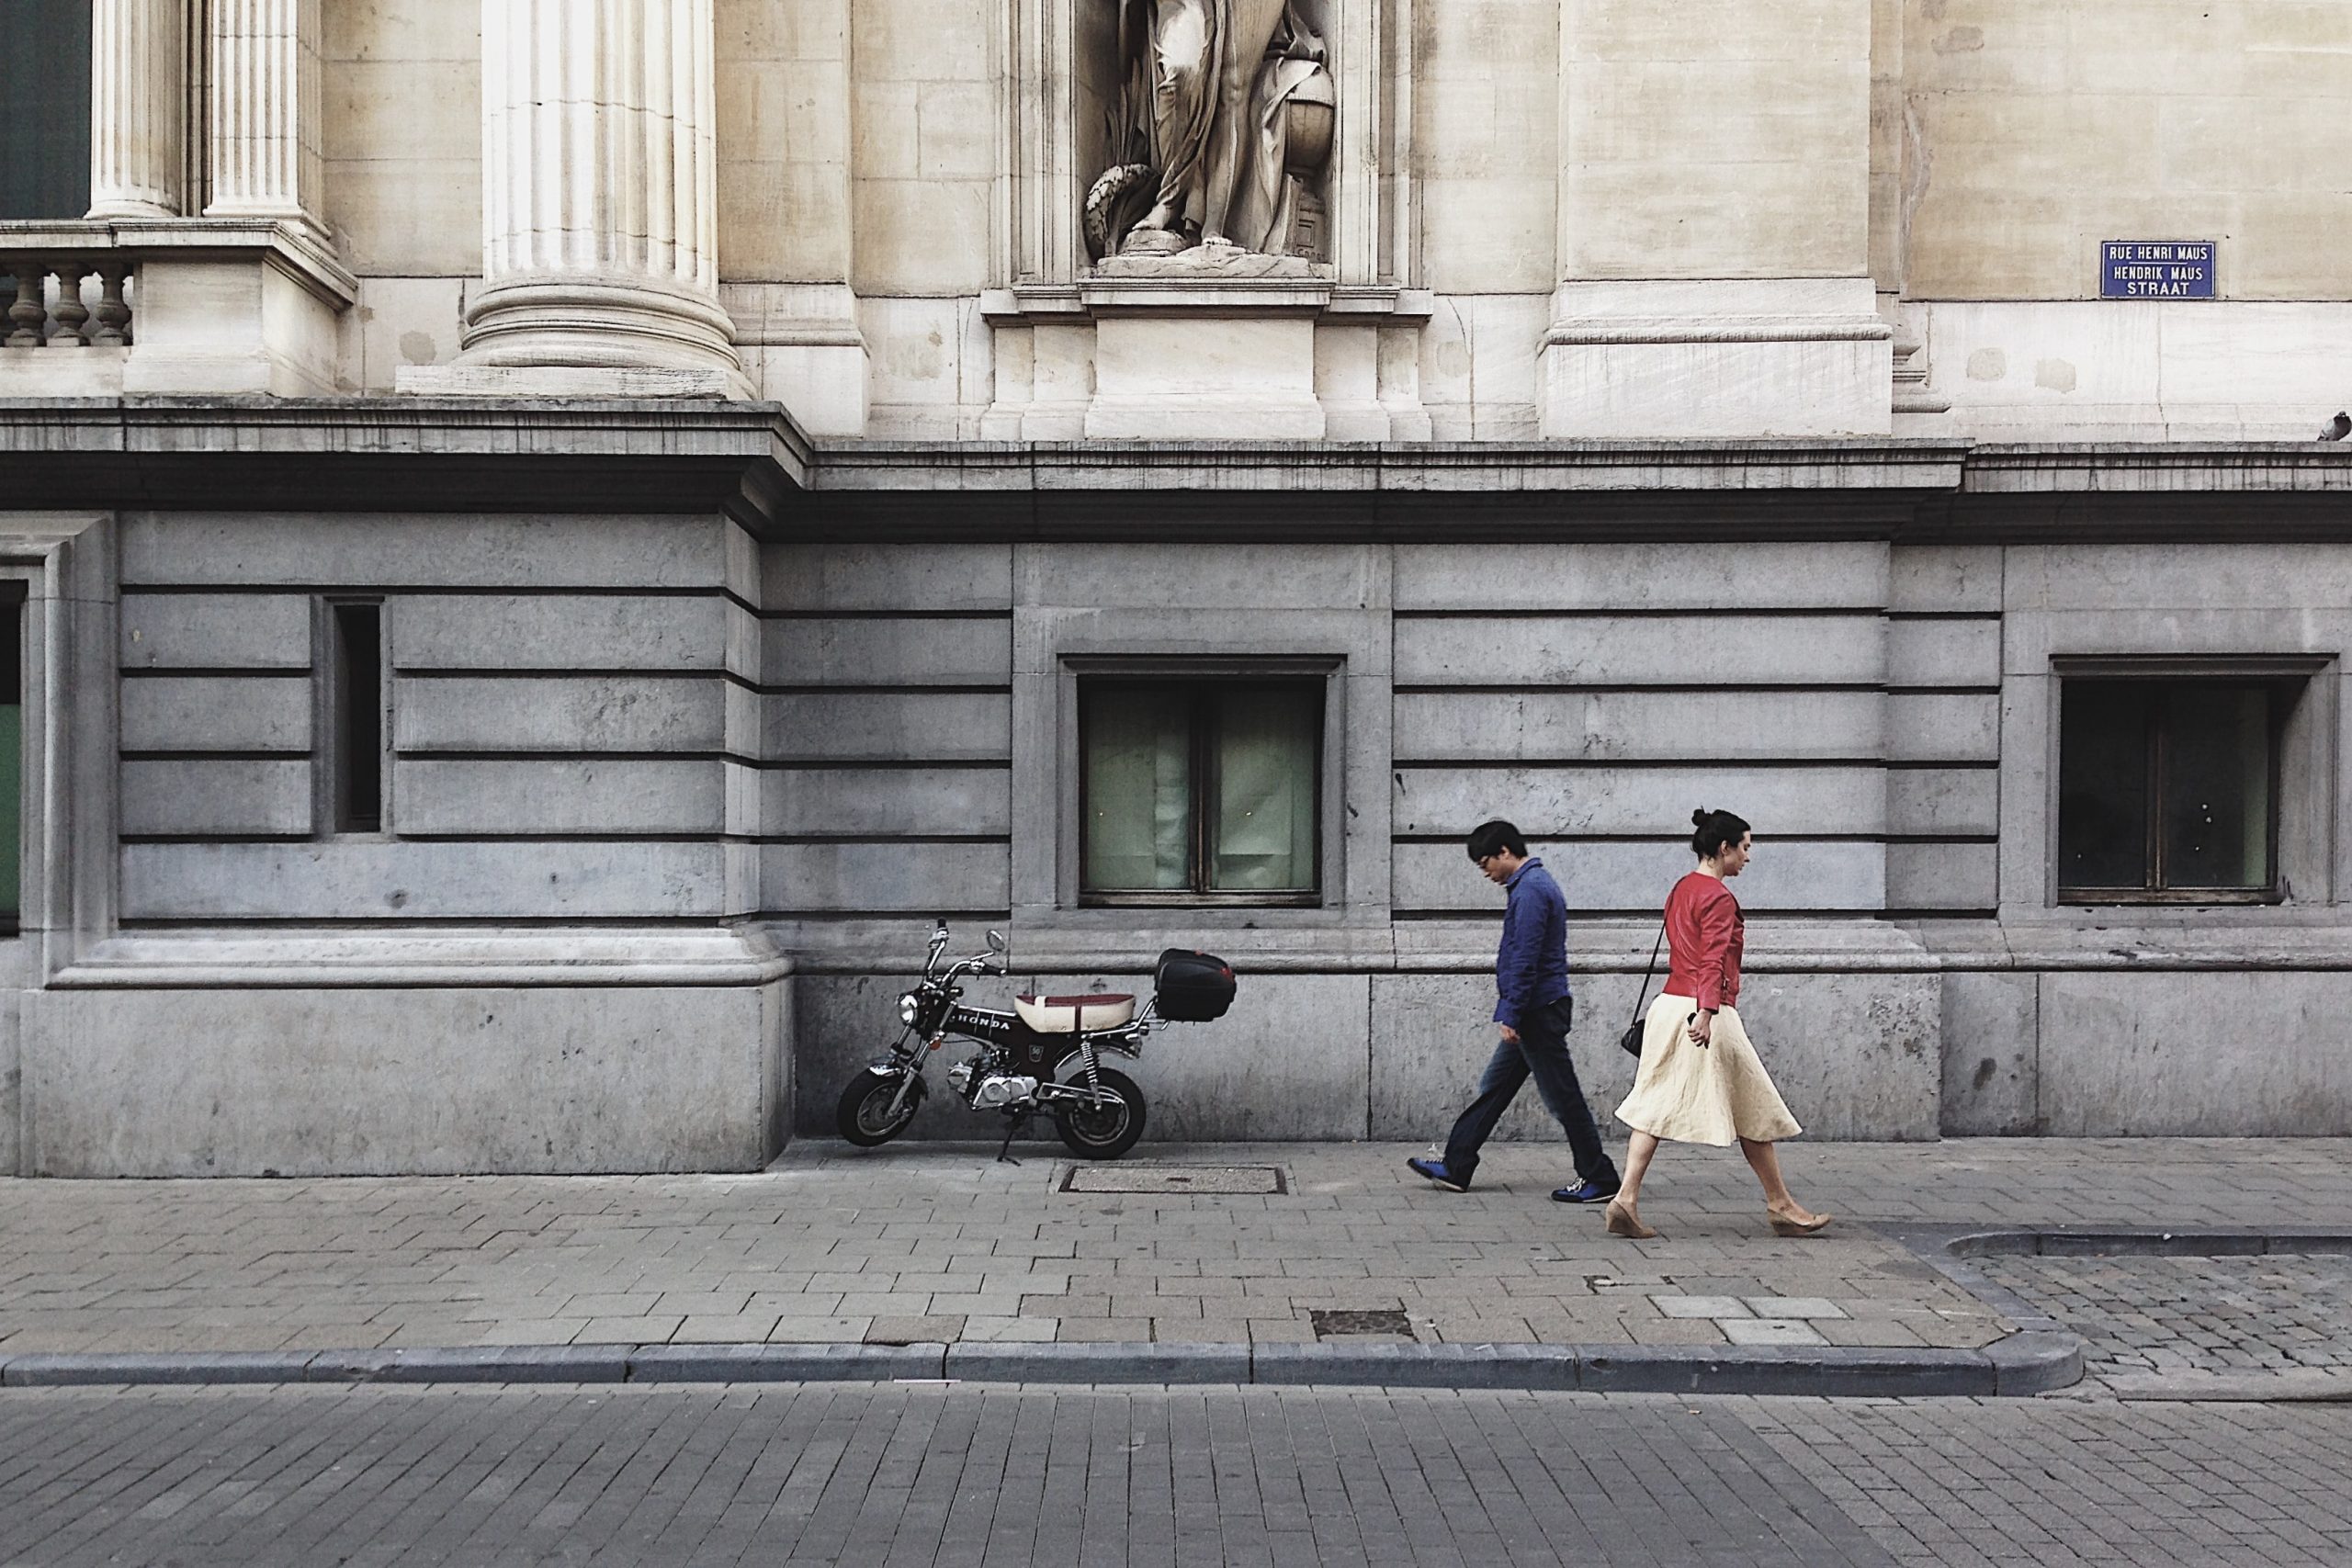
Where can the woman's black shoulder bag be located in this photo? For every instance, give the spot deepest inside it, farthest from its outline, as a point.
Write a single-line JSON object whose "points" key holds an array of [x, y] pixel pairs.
{"points": [[1631, 1041]]}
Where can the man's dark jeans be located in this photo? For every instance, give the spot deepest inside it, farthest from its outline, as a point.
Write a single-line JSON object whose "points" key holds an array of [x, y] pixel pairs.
{"points": [[1542, 1053]]}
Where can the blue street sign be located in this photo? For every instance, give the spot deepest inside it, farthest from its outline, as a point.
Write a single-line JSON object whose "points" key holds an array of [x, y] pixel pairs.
{"points": [[2155, 269]]}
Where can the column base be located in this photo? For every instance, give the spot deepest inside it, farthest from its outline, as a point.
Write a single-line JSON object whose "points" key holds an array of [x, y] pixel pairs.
{"points": [[1716, 359], [604, 337], [462, 380]]}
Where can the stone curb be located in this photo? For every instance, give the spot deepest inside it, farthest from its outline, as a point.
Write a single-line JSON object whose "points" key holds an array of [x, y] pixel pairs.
{"points": [[2023, 1363], [784, 1363]]}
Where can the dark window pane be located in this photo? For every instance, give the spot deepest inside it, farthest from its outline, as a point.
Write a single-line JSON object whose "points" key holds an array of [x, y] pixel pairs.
{"points": [[45, 109], [12, 757], [1139, 767], [2216, 787], [1261, 825], [359, 718], [2103, 784]]}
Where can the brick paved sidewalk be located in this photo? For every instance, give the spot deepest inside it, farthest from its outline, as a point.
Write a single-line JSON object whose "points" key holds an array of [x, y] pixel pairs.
{"points": [[932, 1243]]}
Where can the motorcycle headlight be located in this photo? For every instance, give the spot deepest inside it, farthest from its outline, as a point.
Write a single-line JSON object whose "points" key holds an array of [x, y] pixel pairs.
{"points": [[906, 1010]]}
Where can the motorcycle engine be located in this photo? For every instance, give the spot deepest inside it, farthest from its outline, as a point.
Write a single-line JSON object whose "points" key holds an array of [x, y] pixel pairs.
{"points": [[1000, 1090], [959, 1076]]}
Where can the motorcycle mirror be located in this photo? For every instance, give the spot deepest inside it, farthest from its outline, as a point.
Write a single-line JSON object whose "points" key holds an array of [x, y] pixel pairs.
{"points": [[995, 942]]}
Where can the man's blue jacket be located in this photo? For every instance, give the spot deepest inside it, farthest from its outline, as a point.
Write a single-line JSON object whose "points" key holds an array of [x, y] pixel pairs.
{"points": [[1532, 966]]}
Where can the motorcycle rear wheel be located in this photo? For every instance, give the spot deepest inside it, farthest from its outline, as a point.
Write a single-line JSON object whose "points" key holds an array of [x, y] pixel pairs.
{"points": [[1107, 1132], [864, 1116]]}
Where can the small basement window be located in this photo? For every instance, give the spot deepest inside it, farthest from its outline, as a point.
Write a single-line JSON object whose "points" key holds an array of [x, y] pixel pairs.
{"points": [[355, 715], [1200, 790], [2168, 789], [12, 754]]}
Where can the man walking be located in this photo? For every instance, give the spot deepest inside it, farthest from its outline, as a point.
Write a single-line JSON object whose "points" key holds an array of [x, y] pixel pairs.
{"points": [[1533, 1010]]}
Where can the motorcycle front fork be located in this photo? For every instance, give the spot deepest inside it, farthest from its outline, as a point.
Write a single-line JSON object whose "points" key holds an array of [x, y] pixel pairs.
{"points": [[907, 1060]]}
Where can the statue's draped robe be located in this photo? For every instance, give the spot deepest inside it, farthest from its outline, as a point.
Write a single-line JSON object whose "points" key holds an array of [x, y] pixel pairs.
{"points": [[1183, 43]]}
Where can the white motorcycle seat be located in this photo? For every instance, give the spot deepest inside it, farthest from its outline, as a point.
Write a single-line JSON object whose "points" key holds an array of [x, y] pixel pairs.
{"points": [[1069, 1015]]}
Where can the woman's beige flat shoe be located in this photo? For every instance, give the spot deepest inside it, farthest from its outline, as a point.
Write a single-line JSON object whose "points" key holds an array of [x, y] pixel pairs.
{"points": [[1622, 1221], [1813, 1226]]}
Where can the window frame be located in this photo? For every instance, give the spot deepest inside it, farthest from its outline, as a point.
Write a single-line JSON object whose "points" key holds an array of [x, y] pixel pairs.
{"points": [[1199, 784], [2286, 679], [330, 718], [16, 600]]}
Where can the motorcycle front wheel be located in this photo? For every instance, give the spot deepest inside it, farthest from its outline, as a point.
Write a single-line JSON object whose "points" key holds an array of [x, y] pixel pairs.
{"points": [[1107, 1131], [865, 1116]]}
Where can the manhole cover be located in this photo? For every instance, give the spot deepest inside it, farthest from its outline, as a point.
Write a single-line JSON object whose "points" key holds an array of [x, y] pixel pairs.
{"points": [[1175, 1178], [1331, 1325]]}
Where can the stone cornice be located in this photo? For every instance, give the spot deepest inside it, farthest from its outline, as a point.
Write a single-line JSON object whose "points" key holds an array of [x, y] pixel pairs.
{"points": [[750, 460], [410, 453]]}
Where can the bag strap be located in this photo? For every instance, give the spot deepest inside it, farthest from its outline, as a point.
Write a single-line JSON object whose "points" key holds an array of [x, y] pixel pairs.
{"points": [[1642, 994]]}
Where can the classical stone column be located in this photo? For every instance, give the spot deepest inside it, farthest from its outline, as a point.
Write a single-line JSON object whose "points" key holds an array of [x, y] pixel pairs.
{"points": [[266, 111], [137, 107], [600, 234]]}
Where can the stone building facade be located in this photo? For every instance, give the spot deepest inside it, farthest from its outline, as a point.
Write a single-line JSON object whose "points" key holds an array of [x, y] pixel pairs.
{"points": [[547, 541]]}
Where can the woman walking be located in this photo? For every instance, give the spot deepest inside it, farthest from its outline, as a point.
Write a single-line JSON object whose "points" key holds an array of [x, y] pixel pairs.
{"points": [[1701, 1080]]}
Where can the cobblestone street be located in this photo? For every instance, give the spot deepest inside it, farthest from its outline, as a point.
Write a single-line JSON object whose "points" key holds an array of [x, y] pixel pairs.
{"points": [[976, 1476], [2237, 1317]]}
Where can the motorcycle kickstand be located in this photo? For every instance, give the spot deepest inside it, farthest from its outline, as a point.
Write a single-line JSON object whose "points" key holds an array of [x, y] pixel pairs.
{"points": [[1016, 1127]]}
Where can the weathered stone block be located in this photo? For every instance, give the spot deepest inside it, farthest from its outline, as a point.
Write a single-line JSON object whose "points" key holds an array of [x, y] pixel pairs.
{"points": [[887, 802], [1650, 650], [889, 726], [360, 879], [886, 875], [215, 631], [571, 713], [558, 631], [1639, 726], [560, 795], [1992, 1049], [888, 577], [1924, 727], [1942, 876], [349, 1082], [217, 713], [1600, 577], [1944, 653], [870, 652], [235, 795], [541, 550], [2186, 1055]]}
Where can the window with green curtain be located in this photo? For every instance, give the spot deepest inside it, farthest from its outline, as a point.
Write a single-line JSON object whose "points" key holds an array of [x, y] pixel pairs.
{"points": [[45, 109], [1201, 788], [2167, 788], [12, 759]]}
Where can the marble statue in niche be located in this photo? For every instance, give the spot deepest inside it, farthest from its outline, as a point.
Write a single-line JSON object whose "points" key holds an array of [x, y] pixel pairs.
{"points": [[1219, 141]]}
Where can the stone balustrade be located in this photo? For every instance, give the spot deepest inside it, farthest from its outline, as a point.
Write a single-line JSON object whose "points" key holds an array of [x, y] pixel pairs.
{"points": [[62, 301], [193, 306]]}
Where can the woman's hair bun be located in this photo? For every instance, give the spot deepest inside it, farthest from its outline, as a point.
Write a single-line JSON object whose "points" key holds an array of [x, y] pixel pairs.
{"points": [[1699, 818]]}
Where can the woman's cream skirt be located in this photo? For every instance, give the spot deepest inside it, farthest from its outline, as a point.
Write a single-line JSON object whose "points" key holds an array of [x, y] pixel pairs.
{"points": [[1709, 1094]]}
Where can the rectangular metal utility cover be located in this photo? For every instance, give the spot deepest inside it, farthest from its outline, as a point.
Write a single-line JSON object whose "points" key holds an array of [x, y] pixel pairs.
{"points": [[1176, 1180]]}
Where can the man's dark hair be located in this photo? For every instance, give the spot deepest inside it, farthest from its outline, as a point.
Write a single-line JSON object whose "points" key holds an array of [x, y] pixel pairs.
{"points": [[1494, 838], [1711, 831]]}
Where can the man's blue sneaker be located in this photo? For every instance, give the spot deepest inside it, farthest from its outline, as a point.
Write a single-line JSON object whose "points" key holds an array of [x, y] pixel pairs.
{"points": [[1585, 1192], [1437, 1173]]}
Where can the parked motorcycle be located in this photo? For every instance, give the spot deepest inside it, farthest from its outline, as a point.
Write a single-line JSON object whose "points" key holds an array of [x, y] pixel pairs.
{"points": [[1044, 1055]]}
